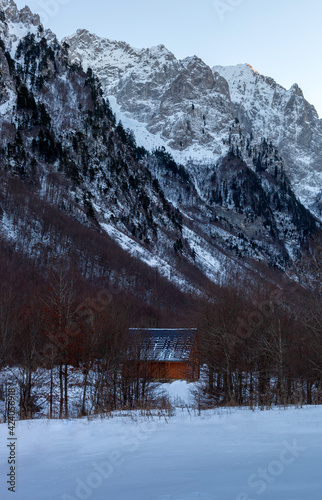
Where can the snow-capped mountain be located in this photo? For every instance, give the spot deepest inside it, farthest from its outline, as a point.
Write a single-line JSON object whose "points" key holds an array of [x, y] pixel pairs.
{"points": [[189, 107], [265, 108], [75, 181], [180, 103]]}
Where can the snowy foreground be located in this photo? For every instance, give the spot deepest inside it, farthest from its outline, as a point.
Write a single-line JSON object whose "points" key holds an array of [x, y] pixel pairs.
{"points": [[228, 454]]}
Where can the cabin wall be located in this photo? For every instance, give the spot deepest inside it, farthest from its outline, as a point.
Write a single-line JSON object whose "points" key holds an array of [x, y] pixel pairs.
{"points": [[162, 370]]}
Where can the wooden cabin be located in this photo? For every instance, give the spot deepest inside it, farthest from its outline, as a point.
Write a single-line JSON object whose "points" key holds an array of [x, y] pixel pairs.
{"points": [[163, 354]]}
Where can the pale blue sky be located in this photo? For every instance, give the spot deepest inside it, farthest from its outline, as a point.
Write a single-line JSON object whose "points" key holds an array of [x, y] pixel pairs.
{"points": [[279, 38]]}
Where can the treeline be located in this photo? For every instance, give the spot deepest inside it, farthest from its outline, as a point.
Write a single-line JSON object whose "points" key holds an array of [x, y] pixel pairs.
{"points": [[63, 338], [60, 332], [261, 342]]}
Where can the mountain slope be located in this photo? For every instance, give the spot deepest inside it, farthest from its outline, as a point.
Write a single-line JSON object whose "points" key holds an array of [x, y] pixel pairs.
{"points": [[265, 108], [74, 179], [189, 108], [178, 101], [61, 143]]}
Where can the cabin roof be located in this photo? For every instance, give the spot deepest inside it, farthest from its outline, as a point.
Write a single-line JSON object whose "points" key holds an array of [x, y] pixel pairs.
{"points": [[163, 344]]}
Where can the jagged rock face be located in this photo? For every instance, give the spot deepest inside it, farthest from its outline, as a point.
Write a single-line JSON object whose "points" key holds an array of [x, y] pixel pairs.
{"points": [[24, 16], [60, 143], [264, 108], [15, 24], [23, 19], [190, 107], [62, 146], [6, 85], [181, 101]]}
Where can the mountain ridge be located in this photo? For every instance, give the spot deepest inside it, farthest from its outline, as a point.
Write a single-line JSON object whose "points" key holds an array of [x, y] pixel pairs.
{"points": [[190, 110], [64, 148]]}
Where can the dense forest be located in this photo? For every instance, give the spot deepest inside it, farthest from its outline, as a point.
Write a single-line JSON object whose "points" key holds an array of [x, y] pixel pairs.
{"points": [[224, 247], [64, 338]]}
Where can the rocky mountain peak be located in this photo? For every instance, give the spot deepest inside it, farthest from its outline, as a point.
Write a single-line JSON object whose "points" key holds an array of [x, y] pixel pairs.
{"points": [[13, 14], [15, 24], [65, 154], [190, 108], [9, 8], [296, 90]]}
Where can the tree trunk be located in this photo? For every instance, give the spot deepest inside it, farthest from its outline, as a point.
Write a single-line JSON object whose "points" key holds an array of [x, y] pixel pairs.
{"points": [[84, 392], [51, 393], [251, 390], [66, 390], [61, 389]]}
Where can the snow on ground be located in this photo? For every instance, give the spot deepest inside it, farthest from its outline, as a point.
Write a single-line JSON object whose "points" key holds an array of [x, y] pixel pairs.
{"points": [[146, 256], [227, 454], [180, 392], [7, 107], [153, 141], [204, 254]]}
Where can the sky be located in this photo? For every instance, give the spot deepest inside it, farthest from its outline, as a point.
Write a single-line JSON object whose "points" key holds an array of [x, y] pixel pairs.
{"points": [[279, 38]]}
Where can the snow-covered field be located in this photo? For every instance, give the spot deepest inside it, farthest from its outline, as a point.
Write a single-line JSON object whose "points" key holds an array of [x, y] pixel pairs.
{"points": [[227, 454]]}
